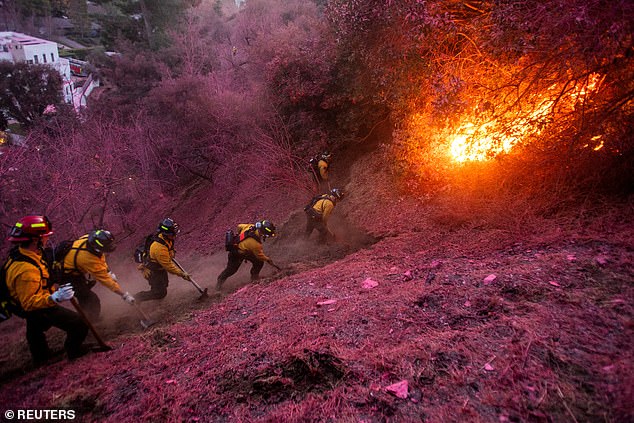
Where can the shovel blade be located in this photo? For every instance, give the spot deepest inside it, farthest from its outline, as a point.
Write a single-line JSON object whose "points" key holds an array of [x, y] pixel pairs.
{"points": [[203, 294]]}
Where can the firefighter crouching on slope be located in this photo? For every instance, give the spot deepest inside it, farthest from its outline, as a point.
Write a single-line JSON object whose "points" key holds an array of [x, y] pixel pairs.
{"points": [[85, 265], [27, 281], [160, 262], [248, 247], [318, 213]]}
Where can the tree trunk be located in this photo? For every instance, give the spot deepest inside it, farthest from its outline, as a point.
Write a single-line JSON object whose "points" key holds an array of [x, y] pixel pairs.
{"points": [[146, 21]]}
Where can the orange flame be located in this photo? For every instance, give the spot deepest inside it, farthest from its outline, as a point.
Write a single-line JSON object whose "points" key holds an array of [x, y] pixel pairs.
{"points": [[471, 142]]}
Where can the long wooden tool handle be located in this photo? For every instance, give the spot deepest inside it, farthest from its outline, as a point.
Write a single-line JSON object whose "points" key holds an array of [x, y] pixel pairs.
{"points": [[143, 315], [198, 287], [81, 312], [178, 264]]}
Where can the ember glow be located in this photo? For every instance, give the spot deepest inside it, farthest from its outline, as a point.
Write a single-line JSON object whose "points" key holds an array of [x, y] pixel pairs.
{"points": [[484, 141]]}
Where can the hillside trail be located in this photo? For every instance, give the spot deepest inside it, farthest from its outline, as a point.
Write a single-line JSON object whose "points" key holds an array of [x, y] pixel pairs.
{"points": [[290, 250], [461, 302]]}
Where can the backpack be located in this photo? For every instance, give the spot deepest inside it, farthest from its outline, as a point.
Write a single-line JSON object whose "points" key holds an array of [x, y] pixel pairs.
{"points": [[231, 243], [9, 305], [232, 240], [54, 259], [142, 252], [310, 211]]}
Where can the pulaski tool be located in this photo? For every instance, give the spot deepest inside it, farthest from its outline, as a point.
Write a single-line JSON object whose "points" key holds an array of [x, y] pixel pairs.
{"points": [[102, 345], [203, 292]]}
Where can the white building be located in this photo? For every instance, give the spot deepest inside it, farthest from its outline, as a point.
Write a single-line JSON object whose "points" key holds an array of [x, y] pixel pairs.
{"points": [[16, 47]]}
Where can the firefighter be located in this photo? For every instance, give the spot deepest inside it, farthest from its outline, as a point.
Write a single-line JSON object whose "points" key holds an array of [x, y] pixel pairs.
{"points": [[248, 247], [85, 265], [320, 165], [27, 282], [161, 253], [318, 213]]}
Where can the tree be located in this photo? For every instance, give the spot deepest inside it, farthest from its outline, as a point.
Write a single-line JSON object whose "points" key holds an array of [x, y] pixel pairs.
{"points": [[160, 16], [78, 13], [552, 78], [143, 20], [26, 90], [9, 13]]}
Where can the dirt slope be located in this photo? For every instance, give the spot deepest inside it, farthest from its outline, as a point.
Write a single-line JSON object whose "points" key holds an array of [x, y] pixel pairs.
{"points": [[484, 322]]}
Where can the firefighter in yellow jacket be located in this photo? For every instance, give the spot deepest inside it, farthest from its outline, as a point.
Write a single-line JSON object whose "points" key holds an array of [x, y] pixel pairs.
{"points": [[160, 262], [248, 247], [36, 301], [318, 213], [85, 265], [320, 166]]}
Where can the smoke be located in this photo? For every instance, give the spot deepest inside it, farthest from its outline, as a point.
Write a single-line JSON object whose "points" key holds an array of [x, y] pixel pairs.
{"points": [[290, 250], [118, 317]]}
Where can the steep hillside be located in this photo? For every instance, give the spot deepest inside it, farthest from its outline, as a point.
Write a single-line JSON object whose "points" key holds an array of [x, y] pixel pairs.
{"points": [[420, 312]]}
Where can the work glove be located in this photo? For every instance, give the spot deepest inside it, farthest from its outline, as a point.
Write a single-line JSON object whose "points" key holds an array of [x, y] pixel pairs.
{"points": [[128, 298], [187, 277], [64, 293]]}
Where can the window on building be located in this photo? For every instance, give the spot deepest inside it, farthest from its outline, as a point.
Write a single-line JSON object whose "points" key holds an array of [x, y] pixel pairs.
{"points": [[30, 62], [43, 58], [35, 59], [52, 57]]}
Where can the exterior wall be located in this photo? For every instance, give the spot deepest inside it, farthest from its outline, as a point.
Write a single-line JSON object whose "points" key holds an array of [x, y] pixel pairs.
{"points": [[63, 67], [5, 53], [81, 94], [44, 53], [16, 47]]}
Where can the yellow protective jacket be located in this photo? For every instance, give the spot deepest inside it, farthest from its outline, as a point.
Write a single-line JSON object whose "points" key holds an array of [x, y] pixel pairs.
{"points": [[163, 255], [324, 207], [28, 284], [322, 165], [251, 245], [81, 261]]}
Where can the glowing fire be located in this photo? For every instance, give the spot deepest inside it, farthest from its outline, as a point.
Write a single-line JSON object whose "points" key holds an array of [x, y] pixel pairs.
{"points": [[479, 142]]}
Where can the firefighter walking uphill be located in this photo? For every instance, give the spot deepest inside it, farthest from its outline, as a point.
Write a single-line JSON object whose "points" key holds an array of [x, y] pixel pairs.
{"points": [[160, 262], [318, 213], [320, 171], [85, 265], [247, 246], [37, 302]]}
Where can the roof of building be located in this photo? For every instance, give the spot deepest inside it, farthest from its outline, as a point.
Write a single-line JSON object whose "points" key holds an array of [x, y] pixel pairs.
{"points": [[24, 39]]}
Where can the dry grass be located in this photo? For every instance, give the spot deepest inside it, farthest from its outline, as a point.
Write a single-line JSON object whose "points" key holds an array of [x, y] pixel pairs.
{"points": [[548, 340]]}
